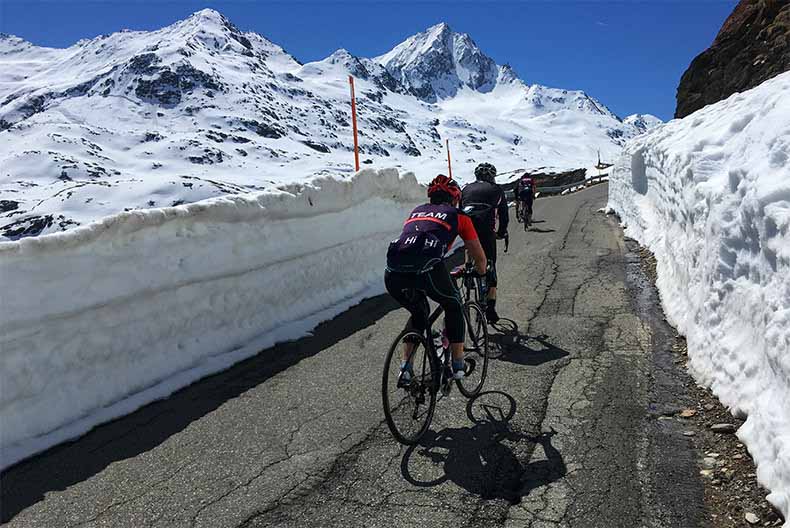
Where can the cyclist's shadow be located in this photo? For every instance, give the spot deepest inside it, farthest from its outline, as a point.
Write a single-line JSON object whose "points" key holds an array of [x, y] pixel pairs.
{"points": [[508, 344], [479, 458]]}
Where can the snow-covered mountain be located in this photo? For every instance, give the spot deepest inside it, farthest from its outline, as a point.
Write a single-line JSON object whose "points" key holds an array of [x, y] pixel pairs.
{"points": [[438, 62], [200, 109], [643, 122]]}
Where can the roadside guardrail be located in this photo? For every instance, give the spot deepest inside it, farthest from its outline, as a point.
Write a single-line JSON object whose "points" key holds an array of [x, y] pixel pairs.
{"points": [[510, 187]]}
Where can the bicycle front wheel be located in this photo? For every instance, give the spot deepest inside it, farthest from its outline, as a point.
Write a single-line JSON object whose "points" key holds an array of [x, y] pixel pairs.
{"points": [[475, 350], [409, 405]]}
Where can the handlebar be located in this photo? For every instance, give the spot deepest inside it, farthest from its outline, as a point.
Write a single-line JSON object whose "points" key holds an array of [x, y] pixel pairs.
{"points": [[464, 270]]}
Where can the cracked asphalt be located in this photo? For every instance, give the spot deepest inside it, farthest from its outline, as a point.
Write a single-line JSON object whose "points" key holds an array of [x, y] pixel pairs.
{"points": [[565, 434]]}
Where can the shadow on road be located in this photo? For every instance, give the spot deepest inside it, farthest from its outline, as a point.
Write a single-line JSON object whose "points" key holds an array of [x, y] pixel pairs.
{"points": [[539, 230], [477, 458], [26, 483], [507, 344]]}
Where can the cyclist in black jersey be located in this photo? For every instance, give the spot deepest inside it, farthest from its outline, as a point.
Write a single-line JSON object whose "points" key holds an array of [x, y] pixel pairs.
{"points": [[416, 270], [485, 202]]}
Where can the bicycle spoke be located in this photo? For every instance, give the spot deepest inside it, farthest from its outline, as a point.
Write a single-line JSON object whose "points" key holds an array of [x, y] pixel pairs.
{"points": [[408, 407], [475, 350]]}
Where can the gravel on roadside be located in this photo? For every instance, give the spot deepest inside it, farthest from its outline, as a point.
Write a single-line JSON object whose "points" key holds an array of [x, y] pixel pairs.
{"points": [[733, 498]]}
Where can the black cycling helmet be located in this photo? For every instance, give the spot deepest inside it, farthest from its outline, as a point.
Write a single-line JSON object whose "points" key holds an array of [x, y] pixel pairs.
{"points": [[485, 172]]}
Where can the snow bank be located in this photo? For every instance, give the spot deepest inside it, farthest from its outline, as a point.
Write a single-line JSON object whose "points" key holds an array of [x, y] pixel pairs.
{"points": [[100, 320], [710, 196]]}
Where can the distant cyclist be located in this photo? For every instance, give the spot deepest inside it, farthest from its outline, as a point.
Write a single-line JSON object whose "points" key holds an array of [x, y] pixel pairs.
{"points": [[416, 270], [485, 202], [525, 193]]}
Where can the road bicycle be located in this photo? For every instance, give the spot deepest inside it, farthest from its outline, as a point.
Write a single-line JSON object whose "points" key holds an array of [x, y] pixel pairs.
{"points": [[409, 406]]}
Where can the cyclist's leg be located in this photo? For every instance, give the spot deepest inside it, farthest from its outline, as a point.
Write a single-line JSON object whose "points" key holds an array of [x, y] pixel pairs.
{"points": [[404, 288], [529, 206], [440, 288], [488, 241]]}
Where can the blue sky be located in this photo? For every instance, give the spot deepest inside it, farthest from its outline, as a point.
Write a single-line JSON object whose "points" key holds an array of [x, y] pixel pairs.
{"points": [[628, 54]]}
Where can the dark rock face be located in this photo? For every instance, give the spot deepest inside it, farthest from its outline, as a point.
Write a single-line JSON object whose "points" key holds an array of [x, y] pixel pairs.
{"points": [[168, 88], [8, 205], [752, 46], [32, 226], [316, 146], [266, 130]]}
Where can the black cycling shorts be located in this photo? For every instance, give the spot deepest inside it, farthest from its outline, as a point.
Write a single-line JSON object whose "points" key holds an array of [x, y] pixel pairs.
{"points": [[412, 290], [526, 196]]}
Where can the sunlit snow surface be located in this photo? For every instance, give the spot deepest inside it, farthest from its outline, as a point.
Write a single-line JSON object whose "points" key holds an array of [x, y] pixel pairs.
{"points": [[200, 109], [101, 319], [710, 196]]}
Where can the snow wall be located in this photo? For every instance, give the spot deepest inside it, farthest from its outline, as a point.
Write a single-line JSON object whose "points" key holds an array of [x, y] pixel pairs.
{"points": [[100, 320], [710, 196]]}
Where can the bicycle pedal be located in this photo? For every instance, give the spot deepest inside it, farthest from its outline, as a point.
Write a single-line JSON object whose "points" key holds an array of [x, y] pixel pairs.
{"points": [[470, 366]]}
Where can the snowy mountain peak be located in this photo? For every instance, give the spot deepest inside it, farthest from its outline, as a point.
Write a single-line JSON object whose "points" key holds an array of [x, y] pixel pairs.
{"points": [[439, 30], [642, 122], [12, 43], [208, 14], [344, 57], [349, 62], [438, 62], [210, 28], [507, 75]]}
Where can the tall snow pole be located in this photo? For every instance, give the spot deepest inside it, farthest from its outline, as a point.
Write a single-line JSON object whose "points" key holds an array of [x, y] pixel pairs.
{"points": [[449, 165], [354, 122]]}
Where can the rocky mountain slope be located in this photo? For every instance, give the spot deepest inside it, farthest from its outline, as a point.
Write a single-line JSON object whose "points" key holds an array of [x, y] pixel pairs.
{"points": [[642, 122], [201, 109], [752, 46]]}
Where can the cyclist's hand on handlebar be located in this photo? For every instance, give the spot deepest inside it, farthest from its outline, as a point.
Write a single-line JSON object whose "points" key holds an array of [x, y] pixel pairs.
{"points": [[482, 285]]}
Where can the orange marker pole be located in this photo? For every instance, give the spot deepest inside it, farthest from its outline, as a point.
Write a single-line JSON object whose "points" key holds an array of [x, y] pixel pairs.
{"points": [[354, 122], [449, 165]]}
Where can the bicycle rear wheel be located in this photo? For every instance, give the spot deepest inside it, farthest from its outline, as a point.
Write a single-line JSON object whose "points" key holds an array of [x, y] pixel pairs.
{"points": [[408, 408], [475, 350]]}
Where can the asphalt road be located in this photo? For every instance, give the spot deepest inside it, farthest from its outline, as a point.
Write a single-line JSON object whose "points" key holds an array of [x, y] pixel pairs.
{"points": [[566, 433]]}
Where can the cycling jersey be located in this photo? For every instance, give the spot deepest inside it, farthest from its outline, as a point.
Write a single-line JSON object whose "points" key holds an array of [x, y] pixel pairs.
{"points": [[526, 188], [485, 202], [480, 194], [427, 235]]}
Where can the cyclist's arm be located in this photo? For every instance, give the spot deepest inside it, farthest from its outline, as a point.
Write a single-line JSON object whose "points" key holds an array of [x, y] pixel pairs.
{"points": [[473, 248], [504, 216]]}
